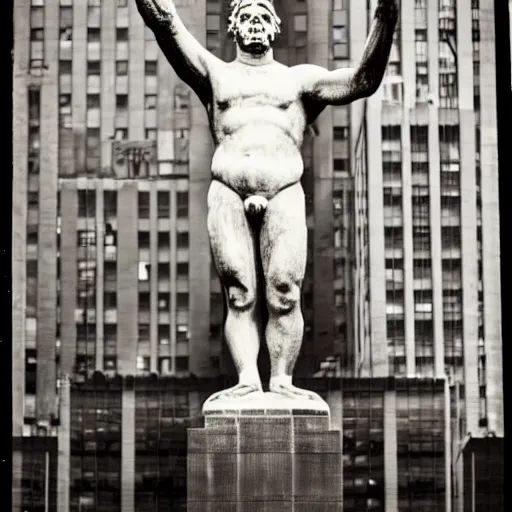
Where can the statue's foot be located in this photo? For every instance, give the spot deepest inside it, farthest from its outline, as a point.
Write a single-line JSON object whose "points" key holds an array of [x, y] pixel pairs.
{"points": [[238, 391], [290, 391]]}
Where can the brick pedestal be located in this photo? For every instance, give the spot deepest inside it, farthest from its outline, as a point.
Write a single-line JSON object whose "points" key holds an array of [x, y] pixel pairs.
{"points": [[265, 457]]}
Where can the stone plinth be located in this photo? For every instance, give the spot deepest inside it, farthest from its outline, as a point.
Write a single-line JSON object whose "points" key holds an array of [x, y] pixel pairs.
{"points": [[267, 454]]}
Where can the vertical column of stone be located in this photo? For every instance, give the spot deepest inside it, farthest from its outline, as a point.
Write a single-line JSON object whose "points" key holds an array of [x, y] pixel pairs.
{"points": [[435, 187], [200, 153], [127, 278], [447, 447], [79, 77], [68, 275], [323, 244], [490, 220], [153, 276], [173, 285], [468, 213], [100, 275], [378, 362], [136, 74], [358, 29], [390, 452], [19, 231], [128, 449], [379, 351], [409, 77], [47, 235], [64, 447], [108, 81]]}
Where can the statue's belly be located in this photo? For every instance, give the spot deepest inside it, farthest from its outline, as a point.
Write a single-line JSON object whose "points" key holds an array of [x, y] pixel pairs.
{"points": [[258, 160]]}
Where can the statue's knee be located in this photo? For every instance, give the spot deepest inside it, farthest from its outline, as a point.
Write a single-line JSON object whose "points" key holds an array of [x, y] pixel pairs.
{"points": [[283, 295], [241, 299]]}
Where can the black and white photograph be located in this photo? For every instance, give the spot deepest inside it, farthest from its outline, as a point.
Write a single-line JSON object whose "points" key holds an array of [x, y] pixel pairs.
{"points": [[256, 262]]}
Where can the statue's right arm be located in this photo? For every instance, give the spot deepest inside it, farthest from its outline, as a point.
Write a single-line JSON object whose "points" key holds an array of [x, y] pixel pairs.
{"points": [[185, 54]]}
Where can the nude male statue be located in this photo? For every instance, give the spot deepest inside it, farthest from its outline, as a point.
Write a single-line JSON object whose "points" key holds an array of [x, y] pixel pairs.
{"points": [[258, 111]]}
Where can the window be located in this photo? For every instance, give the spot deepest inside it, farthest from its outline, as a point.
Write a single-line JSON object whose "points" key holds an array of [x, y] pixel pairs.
{"points": [[339, 34], [150, 68], [143, 240], [86, 203], [121, 67], [181, 99], [182, 364], [164, 365], [163, 201], [93, 35], [110, 300], [34, 101], [121, 134], [150, 134], [143, 205], [122, 101], [93, 67], [37, 34], [300, 23], [144, 301], [340, 165], [340, 132], [110, 203], [182, 204], [182, 301], [150, 101], [93, 146], [93, 101], [143, 363], [144, 268], [86, 238], [163, 271], [182, 269], [122, 34], [164, 334], [164, 239], [421, 238], [421, 47], [163, 301]]}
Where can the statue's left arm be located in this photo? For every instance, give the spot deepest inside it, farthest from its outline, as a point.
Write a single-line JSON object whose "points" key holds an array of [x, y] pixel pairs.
{"points": [[345, 85]]}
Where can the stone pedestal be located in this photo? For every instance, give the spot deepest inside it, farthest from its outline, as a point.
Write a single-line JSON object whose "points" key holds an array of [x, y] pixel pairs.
{"points": [[265, 454]]}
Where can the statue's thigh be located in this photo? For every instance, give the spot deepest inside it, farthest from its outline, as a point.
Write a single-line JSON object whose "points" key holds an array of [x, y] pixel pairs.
{"points": [[284, 235], [230, 236]]}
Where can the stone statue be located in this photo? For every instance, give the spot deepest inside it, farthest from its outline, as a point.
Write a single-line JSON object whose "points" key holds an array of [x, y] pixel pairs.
{"points": [[258, 111]]}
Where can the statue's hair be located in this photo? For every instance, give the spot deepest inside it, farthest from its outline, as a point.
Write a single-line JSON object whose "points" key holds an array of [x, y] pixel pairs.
{"points": [[236, 5]]}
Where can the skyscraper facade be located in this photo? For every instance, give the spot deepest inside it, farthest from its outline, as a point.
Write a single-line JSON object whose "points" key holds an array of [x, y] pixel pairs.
{"points": [[427, 257], [112, 270]]}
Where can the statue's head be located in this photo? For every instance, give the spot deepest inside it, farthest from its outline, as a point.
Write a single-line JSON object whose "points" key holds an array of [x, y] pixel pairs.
{"points": [[254, 25]]}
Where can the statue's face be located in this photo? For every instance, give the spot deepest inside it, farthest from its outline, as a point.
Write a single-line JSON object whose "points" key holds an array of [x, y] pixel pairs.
{"points": [[255, 28]]}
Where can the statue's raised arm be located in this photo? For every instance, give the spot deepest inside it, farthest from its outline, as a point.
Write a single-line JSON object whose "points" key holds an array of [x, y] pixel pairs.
{"points": [[345, 85], [185, 54]]}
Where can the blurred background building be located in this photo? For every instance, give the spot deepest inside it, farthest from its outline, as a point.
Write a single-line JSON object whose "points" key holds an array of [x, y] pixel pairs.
{"points": [[113, 282]]}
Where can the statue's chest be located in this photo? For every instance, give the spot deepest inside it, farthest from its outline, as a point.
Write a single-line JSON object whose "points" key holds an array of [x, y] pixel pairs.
{"points": [[255, 86]]}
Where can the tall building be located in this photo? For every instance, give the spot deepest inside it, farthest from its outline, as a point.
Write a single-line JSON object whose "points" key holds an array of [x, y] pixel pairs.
{"points": [[112, 270], [427, 248]]}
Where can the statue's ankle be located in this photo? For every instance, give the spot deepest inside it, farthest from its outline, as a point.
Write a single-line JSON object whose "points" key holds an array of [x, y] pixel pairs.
{"points": [[250, 378], [280, 380]]}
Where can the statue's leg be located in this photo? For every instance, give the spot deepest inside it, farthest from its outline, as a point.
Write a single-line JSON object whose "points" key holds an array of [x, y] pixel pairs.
{"points": [[234, 254], [283, 246]]}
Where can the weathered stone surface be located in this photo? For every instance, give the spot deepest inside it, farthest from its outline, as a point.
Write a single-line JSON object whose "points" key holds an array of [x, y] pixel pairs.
{"points": [[265, 455], [259, 111]]}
